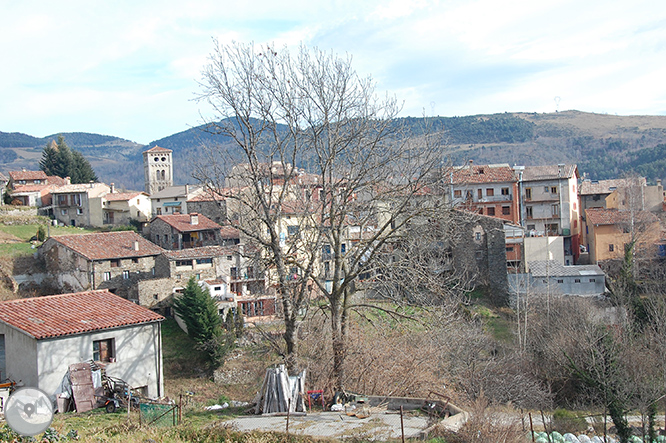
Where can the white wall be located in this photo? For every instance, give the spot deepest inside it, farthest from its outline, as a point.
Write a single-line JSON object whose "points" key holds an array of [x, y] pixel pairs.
{"points": [[544, 248], [137, 351], [20, 356]]}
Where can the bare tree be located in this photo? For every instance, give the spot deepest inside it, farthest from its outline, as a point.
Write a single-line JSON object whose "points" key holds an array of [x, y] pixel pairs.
{"points": [[286, 114]]}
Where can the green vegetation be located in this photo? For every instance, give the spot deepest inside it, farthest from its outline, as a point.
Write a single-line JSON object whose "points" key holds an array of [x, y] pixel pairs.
{"points": [[199, 313], [58, 159]]}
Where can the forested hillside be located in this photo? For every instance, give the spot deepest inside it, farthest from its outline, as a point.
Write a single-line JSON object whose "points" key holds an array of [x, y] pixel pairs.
{"points": [[603, 146]]}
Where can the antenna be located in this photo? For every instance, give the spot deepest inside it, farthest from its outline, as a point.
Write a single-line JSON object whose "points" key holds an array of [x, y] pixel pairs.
{"points": [[557, 103]]}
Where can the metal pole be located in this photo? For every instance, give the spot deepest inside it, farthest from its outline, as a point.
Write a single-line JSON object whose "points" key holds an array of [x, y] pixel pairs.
{"points": [[288, 411], [402, 425], [180, 409]]}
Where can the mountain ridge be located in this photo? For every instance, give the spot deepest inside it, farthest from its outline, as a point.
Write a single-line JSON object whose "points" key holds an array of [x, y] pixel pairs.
{"points": [[603, 145]]}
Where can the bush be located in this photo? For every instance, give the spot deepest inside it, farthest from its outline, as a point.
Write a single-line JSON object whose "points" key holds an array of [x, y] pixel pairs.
{"points": [[568, 421]]}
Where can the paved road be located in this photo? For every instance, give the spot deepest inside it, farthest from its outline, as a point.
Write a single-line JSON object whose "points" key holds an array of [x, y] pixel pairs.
{"points": [[379, 426]]}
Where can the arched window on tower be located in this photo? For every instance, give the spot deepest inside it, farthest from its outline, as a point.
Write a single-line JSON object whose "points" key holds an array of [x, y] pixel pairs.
{"points": [[157, 174], [163, 174]]}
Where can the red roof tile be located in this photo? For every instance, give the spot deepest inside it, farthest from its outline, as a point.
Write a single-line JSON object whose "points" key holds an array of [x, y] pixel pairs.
{"points": [[108, 245], [68, 314], [27, 175], [482, 174], [603, 216], [30, 188], [122, 196], [158, 149], [588, 187], [181, 222], [58, 181]]}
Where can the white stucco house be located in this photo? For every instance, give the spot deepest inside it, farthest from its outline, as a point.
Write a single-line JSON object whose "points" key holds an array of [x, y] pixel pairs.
{"points": [[42, 336]]}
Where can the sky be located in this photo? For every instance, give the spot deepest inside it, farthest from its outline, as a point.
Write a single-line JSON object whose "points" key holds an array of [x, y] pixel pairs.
{"points": [[132, 68]]}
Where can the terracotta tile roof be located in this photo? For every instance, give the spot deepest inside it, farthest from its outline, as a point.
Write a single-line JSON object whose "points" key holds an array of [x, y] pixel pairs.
{"points": [[55, 180], [80, 187], [108, 245], [181, 222], [27, 175], [202, 252], [122, 196], [209, 196], [68, 314], [158, 149], [482, 174], [549, 172], [229, 232], [588, 187], [29, 188], [603, 216]]}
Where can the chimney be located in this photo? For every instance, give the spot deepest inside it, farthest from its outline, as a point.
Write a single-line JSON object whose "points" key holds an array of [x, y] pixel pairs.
{"points": [[68, 180], [112, 188], [187, 190], [136, 245], [194, 218], [560, 169]]}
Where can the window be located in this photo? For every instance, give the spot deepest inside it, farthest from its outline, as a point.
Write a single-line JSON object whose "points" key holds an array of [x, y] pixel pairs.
{"points": [[611, 247], [592, 280], [79, 211], [577, 280], [293, 230], [509, 249], [560, 281], [479, 192], [555, 209], [135, 260], [528, 212], [204, 261], [104, 350], [546, 189], [505, 191], [531, 227], [553, 189], [479, 255], [106, 276], [506, 210], [158, 211], [115, 263], [217, 288], [229, 258], [183, 262], [528, 193], [477, 236], [490, 192], [491, 211], [126, 275], [457, 193]]}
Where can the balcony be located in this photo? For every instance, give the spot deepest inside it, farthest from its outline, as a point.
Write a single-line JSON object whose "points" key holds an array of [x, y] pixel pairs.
{"points": [[495, 198]]}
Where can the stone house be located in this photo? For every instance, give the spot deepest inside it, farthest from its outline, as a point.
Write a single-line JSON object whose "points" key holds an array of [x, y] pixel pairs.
{"points": [[23, 177], [173, 199], [490, 190], [80, 205], [41, 336], [119, 208], [32, 195], [115, 261], [229, 266], [210, 204], [181, 231]]}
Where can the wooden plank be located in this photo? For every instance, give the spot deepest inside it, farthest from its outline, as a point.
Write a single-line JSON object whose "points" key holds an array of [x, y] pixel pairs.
{"points": [[82, 387]]}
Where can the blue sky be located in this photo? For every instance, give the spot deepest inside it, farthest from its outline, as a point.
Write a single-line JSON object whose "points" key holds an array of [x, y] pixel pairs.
{"points": [[130, 69]]}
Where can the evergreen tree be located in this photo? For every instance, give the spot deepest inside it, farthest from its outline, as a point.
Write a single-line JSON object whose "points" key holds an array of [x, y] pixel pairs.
{"points": [[59, 160], [199, 312]]}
